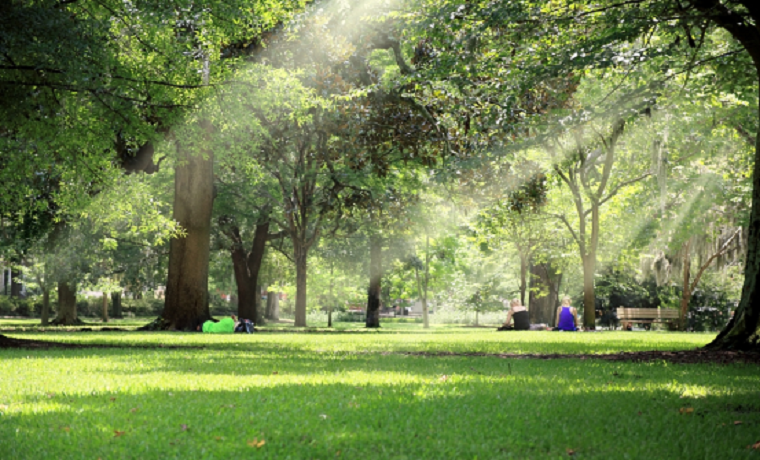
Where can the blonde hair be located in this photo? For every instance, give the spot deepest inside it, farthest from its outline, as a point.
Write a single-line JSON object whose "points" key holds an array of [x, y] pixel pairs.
{"points": [[566, 300], [515, 303]]}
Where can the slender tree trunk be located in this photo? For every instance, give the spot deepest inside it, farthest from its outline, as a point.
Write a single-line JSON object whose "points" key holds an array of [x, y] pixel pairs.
{"points": [[523, 277], [332, 296], [186, 300], [686, 295], [375, 280], [300, 259], [544, 293], [105, 307], [45, 314], [116, 305], [67, 305], [476, 317]]}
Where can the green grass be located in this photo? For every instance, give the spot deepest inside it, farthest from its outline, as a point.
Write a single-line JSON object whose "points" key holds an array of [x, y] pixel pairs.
{"points": [[337, 395]]}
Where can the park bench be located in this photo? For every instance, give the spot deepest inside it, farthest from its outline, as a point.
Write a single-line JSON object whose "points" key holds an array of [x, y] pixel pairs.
{"points": [[646, 315]]}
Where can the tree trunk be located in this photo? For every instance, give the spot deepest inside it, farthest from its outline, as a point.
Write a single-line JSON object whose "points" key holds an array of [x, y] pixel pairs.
{"points": [[16, 286], [686, 295], [268, 307], [45, 314], [544, 293], [300, 309], [742, 331], [274, 315], [523, 276], [116, 305], [375, 280], [105, 307], [186, 301], [246, 286], [67, 305], [589, 297], [247, 268], [476, 317]]}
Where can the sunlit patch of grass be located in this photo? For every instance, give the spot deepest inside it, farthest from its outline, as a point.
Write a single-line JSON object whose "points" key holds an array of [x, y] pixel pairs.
{"points": [[336, 395]]}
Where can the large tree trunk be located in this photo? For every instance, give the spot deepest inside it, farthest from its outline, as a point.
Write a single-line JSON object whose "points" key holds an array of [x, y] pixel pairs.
{"points": [[247, 267], [45, 314], [300, 259], [375, 280], [187, 287], [544, 293], [16, 285], [67, 305], [116, 305], [742, 331]]}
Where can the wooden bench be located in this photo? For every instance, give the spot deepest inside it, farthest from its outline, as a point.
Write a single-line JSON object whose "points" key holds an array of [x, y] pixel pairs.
{"points": [[647, 315]]}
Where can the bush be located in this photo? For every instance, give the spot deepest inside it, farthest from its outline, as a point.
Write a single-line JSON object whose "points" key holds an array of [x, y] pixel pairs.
{"points": [[142, 307], [11, 306]]}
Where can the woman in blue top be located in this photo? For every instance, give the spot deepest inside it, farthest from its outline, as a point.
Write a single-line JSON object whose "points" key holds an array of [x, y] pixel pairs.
{"points": [[567, 316]]}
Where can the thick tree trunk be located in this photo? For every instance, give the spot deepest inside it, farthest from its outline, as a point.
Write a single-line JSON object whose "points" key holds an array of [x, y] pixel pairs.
{"points": [[16, 285], [67, 305], [544, 293], [742, 331], [187, 287], [247, 268], [105, 307], [45, 314], [246, 286], [375, 280], [300, 259], [686, 295], [116, 305]]}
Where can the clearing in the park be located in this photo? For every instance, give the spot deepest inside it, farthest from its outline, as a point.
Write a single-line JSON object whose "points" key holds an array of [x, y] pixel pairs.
{"points": [[401, 392]]}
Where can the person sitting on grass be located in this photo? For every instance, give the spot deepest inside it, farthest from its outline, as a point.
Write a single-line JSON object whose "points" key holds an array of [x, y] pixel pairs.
{"points": [[567, 316], [224, 325], [519, 314]]}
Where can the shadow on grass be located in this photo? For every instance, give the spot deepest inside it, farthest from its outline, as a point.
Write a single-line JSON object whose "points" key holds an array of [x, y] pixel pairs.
{"points": [[535, 410]]}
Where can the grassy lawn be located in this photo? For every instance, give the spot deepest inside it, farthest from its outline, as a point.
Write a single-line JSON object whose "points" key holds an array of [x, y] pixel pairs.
{"points": [[347, 395]]}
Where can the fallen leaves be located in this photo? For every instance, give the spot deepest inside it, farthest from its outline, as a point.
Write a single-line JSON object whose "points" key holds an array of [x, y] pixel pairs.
{"points": [[324, 416], [66, 428], [133, 410], [184, 427], [755, 446], [570, 452], [256, 443], [737, 422], [686, 410], [118, 434], [275, 372]]}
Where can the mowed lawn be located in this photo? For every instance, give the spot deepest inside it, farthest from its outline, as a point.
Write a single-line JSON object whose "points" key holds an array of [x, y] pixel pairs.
{"points": [[356, 395]]}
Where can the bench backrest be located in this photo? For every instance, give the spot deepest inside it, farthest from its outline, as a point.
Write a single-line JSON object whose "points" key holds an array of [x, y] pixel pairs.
{"points": [[646, 313]]}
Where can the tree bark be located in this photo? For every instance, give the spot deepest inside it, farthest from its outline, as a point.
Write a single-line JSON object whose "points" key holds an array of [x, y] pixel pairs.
{"points": [[67, 305], [274, 314], [742, 331], [45, 314], [300, 309], [187, 287], [544, 293], [686, 295], [375, 280], [523, 277], [105, 307], [116, 305]]}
